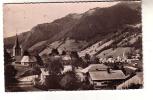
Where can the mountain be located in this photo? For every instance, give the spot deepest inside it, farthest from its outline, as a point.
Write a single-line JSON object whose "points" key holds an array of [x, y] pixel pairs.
{"points": [[97, 24], [125, 39]]}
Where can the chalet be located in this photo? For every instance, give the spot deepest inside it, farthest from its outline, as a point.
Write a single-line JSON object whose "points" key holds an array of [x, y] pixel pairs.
{"points": [[106, 79]]}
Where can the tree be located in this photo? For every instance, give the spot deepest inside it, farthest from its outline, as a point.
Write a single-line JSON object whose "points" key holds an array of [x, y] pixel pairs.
{"points": [[39, 60], [130, 53], [54, 67], [7, 57], [54, 52], [63, 52], [9, 70], [95, 60], [74, 54], [114, 46], [10, 73], [76, 61], [69, 81], [138, 43], [87, 57], [26, 53]]}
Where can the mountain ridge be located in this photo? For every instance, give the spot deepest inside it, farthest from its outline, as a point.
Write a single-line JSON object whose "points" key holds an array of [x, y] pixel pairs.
{"points": [[91, 26]]}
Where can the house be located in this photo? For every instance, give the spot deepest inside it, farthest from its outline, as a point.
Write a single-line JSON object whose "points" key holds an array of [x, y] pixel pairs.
{"points": [[29, 61], [106, 79]]}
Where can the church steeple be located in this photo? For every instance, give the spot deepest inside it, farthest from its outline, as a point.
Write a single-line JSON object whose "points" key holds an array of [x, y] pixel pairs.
{"points": [[17, 45], [17, 49]]}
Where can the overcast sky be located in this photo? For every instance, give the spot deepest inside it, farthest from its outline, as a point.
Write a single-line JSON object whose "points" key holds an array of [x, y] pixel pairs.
{"points": [[22, 17]]}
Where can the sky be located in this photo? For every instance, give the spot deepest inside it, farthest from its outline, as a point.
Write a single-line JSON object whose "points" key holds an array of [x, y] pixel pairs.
{"points": [[20, 18]]}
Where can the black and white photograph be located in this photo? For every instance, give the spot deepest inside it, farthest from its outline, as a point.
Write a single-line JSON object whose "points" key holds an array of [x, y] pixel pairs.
{"points": [[73, 46]]}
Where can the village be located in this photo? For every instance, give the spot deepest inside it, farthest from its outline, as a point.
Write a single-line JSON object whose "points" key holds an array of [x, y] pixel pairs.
{"points": [[67, 70]]}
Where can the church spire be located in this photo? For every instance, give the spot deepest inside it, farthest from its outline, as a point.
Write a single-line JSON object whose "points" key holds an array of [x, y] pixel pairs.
{"points": [[17, 45], [17, 50]]}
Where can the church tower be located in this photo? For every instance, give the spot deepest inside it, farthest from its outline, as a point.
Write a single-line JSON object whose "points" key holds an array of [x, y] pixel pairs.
{"points": [[17, 49]]}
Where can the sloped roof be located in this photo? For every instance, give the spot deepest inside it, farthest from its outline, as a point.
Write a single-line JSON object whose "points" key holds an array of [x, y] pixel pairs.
{"points": [[104, 75], [94, 67], [18, 58], [28, 59], [137, 79], [131, 68]]}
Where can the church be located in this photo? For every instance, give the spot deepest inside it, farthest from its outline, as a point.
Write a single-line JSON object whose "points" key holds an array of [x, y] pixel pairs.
{"points": [[17, 51], [22, 58]]}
